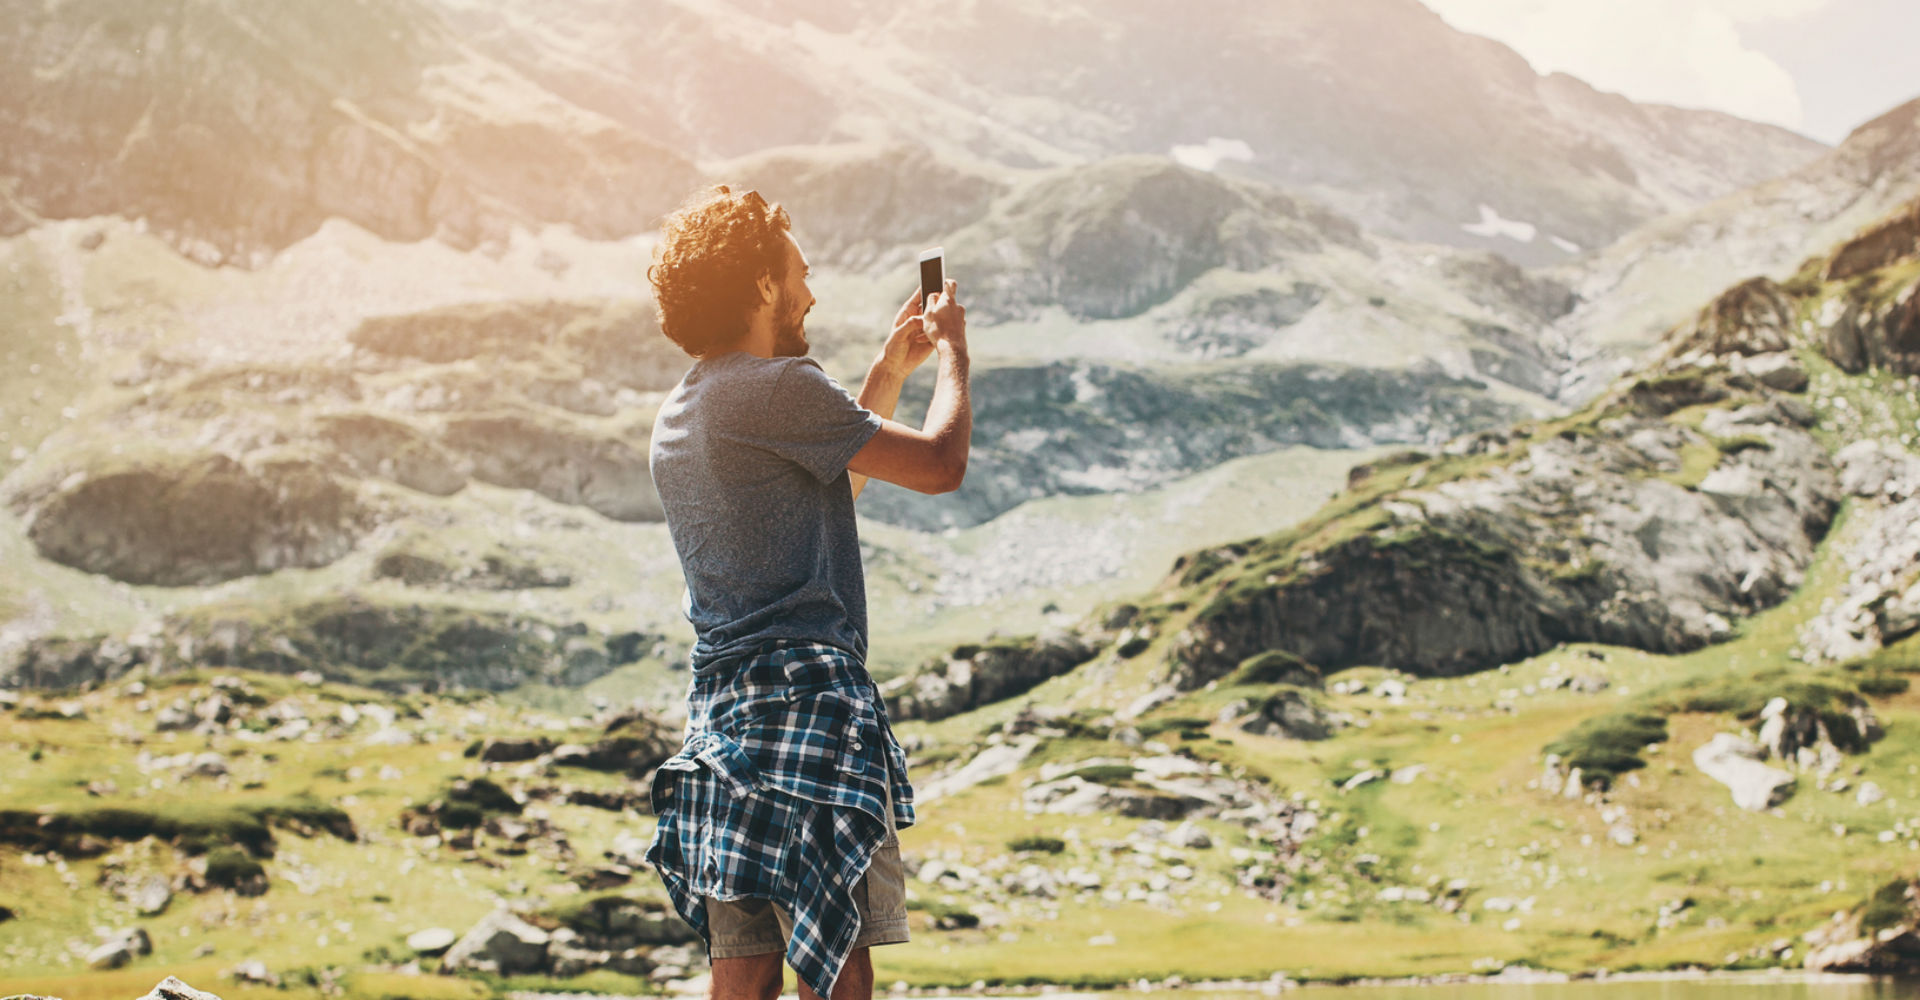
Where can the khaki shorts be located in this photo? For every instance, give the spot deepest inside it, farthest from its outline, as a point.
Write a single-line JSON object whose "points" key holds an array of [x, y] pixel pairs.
{"points": [[743, 927]]}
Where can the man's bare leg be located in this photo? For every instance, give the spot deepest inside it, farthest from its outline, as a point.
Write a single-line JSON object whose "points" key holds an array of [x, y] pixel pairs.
{"points": [[855, 982], [755, 977]]}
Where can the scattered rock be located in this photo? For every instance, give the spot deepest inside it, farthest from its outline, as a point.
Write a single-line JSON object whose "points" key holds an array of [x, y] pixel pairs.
{"points": [[500, 943], [992, 762], [119, 948], [254, 971], [977, 675], [1738, 763], [1295, 714], [431, 940], [172, 988], [152, 895]]}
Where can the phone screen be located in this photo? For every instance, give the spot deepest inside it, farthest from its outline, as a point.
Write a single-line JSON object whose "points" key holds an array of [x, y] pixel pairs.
{"points": [[932, 276]]}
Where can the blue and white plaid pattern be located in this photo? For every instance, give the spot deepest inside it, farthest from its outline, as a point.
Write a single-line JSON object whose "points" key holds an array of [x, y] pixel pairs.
{"points": [[779, 793]]}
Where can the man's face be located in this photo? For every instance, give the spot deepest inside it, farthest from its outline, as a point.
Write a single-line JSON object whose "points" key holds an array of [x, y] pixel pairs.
{"points": [[791, 308]]}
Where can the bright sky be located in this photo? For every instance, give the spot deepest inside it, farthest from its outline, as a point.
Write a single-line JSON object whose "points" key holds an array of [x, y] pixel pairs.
{"points": [[1820, 67]]}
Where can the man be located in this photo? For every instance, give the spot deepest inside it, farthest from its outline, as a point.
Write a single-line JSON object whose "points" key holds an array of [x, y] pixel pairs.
{"points": [[778, 818]]}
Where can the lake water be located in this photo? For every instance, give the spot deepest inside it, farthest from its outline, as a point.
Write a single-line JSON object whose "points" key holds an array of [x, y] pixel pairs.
{"points": [[1755, 987]]}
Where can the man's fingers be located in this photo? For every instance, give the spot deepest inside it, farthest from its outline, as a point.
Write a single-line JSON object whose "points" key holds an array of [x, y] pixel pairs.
{"points": [[911, 307], [951, 287]]}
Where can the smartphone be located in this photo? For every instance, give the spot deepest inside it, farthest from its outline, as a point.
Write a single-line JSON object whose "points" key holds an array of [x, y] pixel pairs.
{"points": [[933, 273]]}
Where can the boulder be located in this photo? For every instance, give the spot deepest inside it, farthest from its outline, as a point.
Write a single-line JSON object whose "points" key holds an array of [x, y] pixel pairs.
{"points": [[992, 762], [1739, 764], [503, 750], [1753, 317], [152, 895], [972, 676], [431, 940], [1291, 713], [1877, 246], [1582, 538], [1779, 370], [192, 520], [635, 751], [1879, 937], [501, 943], [119, 948], [1074, 796], [172, 988]]}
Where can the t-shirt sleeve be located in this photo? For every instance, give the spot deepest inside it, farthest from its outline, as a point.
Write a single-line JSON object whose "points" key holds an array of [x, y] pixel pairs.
{"points": [[811, 421]]}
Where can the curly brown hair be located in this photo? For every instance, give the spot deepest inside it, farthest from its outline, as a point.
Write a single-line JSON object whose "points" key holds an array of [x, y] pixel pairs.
{"points": [[712, 252]]}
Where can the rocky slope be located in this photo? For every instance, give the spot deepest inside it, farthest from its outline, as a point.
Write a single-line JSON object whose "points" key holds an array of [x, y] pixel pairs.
{"points": [[430, 646], [1651, 279], [1075, 427], [1021, 83], [250, 469], [1685, 497], [1688, 497], [237, 134]]}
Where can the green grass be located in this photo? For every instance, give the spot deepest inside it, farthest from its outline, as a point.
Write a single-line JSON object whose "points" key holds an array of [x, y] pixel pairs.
{"points": [[1607, 746]]}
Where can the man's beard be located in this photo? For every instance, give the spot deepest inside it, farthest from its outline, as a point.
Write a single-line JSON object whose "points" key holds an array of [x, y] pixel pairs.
{"points": [[790, 336]]}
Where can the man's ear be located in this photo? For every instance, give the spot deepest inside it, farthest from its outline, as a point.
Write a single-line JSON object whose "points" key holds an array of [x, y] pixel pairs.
{"points": [[769, 291]]}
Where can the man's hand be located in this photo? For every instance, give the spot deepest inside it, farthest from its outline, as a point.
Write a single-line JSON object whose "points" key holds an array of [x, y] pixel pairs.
{"points": [[908, 345], [932, 458], [946, 319]]}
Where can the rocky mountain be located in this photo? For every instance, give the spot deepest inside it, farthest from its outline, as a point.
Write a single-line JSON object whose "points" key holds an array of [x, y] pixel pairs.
{"points": [[1651, 279], [1698, 480], [1474, 150], [236, 131], [1690, 496], [461, 121]]}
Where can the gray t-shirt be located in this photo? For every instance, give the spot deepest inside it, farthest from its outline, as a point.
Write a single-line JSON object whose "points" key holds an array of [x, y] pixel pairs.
{"points": [[750, 457]]}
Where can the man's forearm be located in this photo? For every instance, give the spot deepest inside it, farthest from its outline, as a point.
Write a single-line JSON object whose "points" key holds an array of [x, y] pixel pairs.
{"points": [[879, 393], [950, 415]]}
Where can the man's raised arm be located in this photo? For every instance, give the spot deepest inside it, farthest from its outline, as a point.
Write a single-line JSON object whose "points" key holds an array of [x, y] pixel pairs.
{"points": [[933, 457]]}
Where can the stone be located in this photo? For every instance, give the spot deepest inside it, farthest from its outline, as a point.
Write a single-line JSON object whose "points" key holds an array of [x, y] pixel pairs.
{"points": [[508, 751], [500, 943], [431, 940], [171, 988], [1868, 793], [1778, 370], [119, 948], [1738, 763], [1291, 713], [992, 762], [1189, 835], [152, 895], [254, 971]]}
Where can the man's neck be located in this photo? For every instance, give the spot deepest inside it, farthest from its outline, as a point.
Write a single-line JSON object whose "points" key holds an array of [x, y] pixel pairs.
{"points": [[760, 339]]}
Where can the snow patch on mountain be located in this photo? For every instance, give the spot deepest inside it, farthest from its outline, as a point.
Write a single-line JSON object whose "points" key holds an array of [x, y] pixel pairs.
{"points": [[1492, 225], [1212, 153]]}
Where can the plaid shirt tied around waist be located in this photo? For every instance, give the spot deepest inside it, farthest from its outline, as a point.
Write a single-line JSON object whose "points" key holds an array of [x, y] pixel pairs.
{"points": [[779, 793]]}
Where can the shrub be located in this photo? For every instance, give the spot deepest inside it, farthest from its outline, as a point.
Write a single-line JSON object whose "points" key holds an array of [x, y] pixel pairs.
{"points": [[1184, 723], [1885, 908], [1051, 845], [1275, 666], [461, 816], [1105, 774], [1608, 746], [1883, 685], [945, 916], [229, 868], [484, 795]]}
